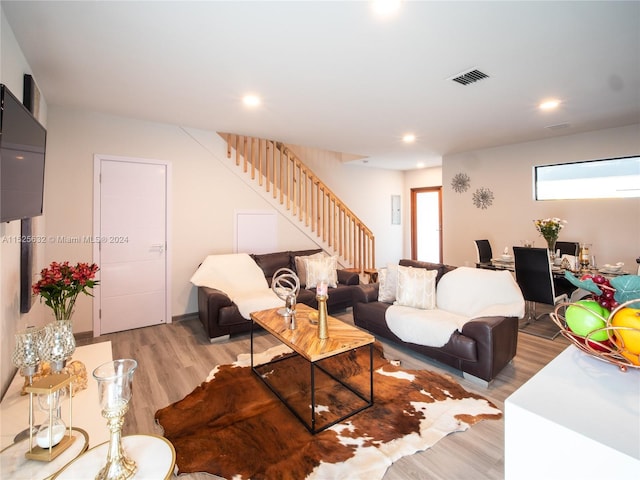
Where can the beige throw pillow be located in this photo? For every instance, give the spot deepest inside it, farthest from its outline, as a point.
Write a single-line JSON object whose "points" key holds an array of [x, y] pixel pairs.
{"points": [[301, 268], [321, 270], [388, 279], [416, 288]]}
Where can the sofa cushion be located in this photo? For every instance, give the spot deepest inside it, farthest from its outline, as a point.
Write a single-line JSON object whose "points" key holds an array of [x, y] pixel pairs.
{"points": [[439, 267], [300, 253], [321, 270], [301, 268], [388, 280], [416, 288]]}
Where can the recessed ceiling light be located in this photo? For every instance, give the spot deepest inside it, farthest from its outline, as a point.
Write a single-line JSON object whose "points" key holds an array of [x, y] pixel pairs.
{"points": [[251, 100], [385, 8], [409, 138], [549, 104], [420, 165]]}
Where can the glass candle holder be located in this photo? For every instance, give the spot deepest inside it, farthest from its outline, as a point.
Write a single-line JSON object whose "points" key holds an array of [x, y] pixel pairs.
{"points": [[26, 355], [57, 344], [115, 382]]}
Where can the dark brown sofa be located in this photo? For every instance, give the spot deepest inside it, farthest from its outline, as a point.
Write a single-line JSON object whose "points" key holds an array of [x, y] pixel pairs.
{"points": [[481, 350], [221, 318]]}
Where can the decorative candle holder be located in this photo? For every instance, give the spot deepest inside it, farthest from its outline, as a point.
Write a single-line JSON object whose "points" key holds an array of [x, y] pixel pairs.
{"points": [[115, 380], [323, 328], [584, 256], [26, 357], [58, 344]]}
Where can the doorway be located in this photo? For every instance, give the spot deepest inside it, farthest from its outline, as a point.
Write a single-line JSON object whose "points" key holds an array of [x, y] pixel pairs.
{"points": [[131, 247], [426, 224]]}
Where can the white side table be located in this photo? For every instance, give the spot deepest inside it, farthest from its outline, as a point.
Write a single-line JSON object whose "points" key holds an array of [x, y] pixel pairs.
{"points": [[15, 466], [155, 458], [14, 409]]}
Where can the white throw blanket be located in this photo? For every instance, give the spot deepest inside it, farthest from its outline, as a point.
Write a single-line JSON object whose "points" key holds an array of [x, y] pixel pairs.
{"points": [[461, 295], [240, 277]]}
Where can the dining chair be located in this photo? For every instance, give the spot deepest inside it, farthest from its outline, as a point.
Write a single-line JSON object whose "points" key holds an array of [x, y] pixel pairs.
{"points": [[568, 248], [535, 278], [483, 251]]}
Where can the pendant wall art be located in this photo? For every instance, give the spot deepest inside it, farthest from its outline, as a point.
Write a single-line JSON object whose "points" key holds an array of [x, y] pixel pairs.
{"points": [[483, 198]]}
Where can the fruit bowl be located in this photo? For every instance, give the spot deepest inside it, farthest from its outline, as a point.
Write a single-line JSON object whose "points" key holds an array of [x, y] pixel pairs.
{"points": [[614, 342]]}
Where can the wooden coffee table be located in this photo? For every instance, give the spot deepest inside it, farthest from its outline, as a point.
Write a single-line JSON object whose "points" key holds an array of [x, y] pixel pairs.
{"points": [[326, 396]]}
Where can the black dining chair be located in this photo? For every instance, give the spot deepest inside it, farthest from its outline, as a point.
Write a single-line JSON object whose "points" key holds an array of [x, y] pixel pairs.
{"points": [[535, 278], [483, 250], [568, 248]]}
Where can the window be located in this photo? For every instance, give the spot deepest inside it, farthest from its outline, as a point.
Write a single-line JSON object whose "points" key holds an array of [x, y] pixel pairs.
{"points": [[610, 178]]}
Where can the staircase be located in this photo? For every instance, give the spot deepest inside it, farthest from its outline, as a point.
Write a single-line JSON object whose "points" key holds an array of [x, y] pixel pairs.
{"points": [[300, 192]]}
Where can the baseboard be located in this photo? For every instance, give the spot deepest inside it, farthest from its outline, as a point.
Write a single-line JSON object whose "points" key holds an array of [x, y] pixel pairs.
{"points": [[184, 316]]}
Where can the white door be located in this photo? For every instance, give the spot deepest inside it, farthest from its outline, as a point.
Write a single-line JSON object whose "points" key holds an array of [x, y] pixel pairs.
{"points": [[131, 223]]}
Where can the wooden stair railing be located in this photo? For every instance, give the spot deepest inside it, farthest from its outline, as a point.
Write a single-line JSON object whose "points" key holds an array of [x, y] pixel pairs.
{"points": [[299, 190]]}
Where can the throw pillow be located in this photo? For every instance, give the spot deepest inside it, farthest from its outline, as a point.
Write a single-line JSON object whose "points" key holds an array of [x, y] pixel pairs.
{"points": [[416, 288], [301, 268], [388, 279], [321, 270]]}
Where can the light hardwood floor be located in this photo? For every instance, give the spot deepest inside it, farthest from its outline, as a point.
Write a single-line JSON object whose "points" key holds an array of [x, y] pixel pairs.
{"points": [[173, 359]]}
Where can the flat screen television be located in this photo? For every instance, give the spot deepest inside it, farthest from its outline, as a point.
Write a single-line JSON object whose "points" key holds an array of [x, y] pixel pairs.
{"points": [[22, 152]]}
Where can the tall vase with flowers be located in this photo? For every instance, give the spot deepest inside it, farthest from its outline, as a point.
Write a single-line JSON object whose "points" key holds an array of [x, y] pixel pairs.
{"points": [[61, 283], [550, 228]]}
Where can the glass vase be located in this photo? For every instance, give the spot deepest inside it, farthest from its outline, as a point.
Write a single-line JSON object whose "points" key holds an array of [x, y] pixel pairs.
{"points": [[551, 245]]}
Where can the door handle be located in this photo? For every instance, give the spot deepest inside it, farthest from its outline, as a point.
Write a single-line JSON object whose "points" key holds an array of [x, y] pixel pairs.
{"points": [[159, 246]]}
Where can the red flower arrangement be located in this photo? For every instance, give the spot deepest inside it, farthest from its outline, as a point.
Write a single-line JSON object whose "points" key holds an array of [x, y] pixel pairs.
{"points": [[61, 283]]}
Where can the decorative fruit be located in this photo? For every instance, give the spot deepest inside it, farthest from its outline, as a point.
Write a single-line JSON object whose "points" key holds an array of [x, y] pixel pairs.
{"points": [[600, 346], [585, 316], [628, 340], [632, 357]]}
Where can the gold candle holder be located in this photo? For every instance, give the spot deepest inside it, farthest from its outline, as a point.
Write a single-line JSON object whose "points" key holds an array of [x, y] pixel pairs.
{"points": [[584, 256], [323, 329]]}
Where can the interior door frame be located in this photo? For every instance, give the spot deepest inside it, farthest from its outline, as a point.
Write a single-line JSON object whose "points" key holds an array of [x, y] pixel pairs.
{"points": [[97, 186], [414, 219]]}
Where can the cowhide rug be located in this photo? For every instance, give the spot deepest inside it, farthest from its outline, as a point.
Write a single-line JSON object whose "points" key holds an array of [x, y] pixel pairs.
{"points": [[233, 426]]}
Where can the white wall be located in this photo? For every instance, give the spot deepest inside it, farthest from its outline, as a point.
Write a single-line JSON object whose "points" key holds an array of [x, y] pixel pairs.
{"points": [[612, 226], [13, 66], [207, 191]]}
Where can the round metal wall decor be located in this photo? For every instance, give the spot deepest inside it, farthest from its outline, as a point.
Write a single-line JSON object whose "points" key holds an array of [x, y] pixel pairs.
{"points": [[483, 198], [460, 182]]}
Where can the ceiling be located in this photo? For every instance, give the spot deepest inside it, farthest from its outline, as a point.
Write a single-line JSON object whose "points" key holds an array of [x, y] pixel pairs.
{"points": [[334, 76]]}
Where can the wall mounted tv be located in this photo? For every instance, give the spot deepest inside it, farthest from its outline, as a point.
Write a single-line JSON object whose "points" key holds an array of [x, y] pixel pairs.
{"points": [[22, 151]]}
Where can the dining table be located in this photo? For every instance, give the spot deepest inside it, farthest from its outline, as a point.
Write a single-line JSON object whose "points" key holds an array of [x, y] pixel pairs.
{"points": [[557, 271]]}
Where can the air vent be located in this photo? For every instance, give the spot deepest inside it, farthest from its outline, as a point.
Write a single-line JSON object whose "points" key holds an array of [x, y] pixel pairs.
{"points": [[557, 126], [471, 76]]}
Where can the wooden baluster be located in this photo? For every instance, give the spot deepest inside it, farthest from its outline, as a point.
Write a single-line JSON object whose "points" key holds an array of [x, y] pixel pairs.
{"points": [[267, 164], [281, 176], [260, 169], [244, 154], [287, 179], [237, 150]]}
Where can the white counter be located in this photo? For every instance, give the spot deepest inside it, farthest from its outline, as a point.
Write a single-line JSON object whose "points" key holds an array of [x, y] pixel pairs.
{"points": [[578, 417]]}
